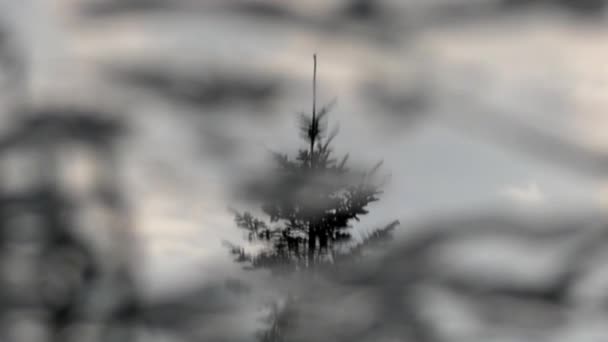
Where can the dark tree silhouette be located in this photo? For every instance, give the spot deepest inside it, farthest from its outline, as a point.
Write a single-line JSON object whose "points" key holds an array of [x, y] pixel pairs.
{"points": [[311, 203]]}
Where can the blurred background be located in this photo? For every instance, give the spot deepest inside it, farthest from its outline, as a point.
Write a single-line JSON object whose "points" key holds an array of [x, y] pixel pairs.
{"points": [[129, 127]]}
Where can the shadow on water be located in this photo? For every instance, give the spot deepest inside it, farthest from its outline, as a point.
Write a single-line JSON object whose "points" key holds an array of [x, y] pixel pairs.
{"points": [[206, 90], [107, 8]]}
